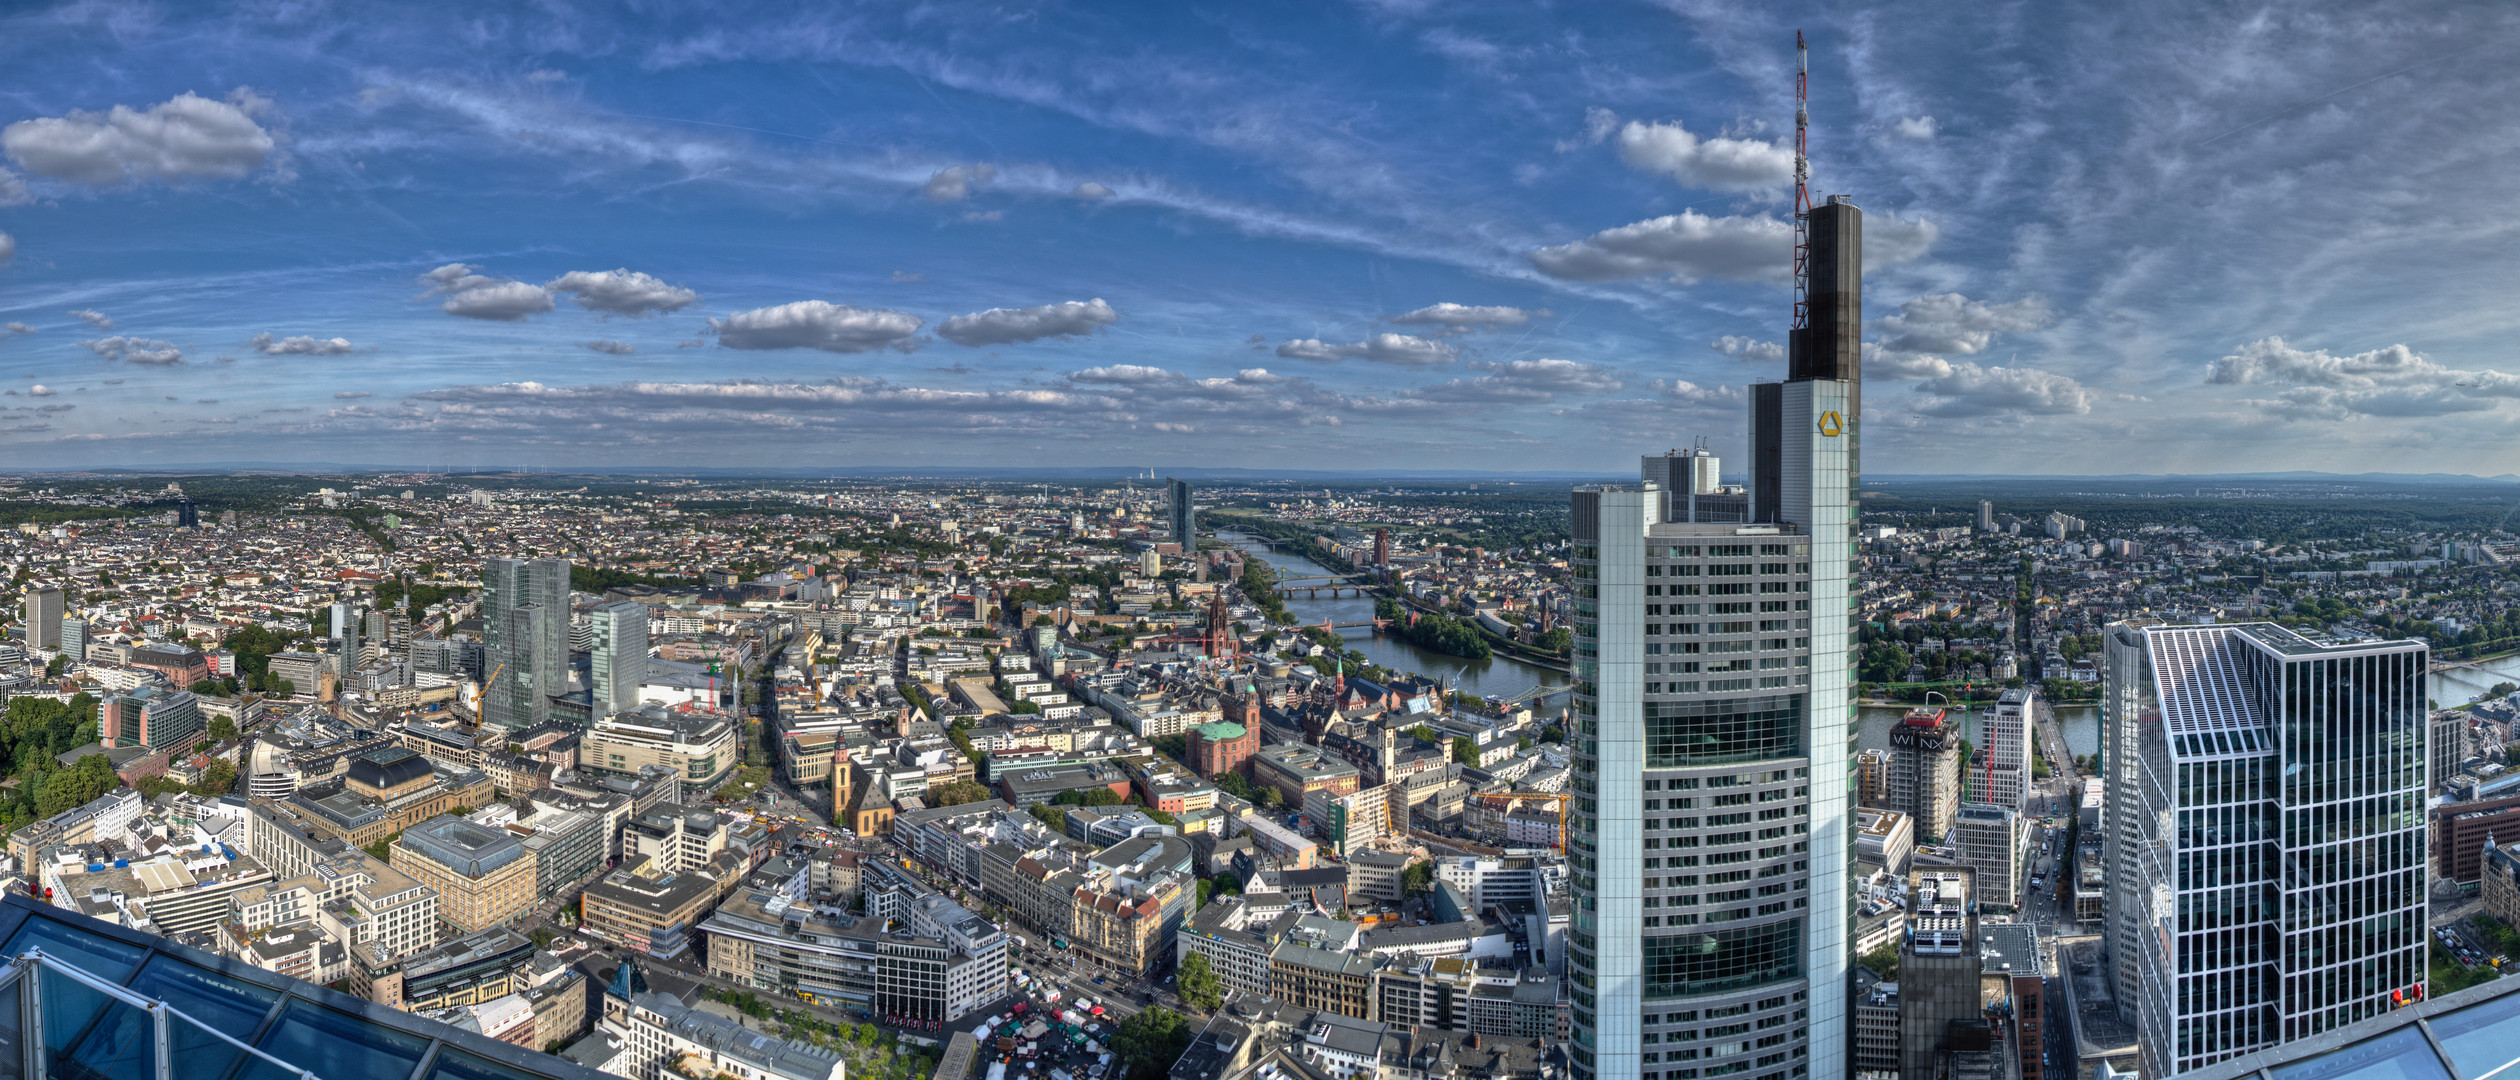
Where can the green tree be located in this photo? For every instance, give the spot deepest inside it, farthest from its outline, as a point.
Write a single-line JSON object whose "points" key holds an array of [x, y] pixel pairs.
{"points": [[1152, 1039], [1269, 797], [1884, 962], [956, 793], [1200, 988], [1465, 751], [1419, 878], [222, 728]]}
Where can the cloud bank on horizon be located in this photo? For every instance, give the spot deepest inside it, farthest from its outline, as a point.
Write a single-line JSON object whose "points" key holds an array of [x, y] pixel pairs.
{"points": [[1396, 235]]}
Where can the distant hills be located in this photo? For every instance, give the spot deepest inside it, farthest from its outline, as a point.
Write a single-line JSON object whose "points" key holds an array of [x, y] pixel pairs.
{"points": [[1118, 472]]}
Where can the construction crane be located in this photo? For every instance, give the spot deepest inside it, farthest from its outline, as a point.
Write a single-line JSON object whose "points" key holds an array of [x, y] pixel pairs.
{"points": [[1502, 802]]}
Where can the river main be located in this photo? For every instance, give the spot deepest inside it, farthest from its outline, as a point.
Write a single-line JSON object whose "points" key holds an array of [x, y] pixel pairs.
{"points": [[1497, 676]]}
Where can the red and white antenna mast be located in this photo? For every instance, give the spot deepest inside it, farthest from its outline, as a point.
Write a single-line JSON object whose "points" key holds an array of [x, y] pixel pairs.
{"points": [[1802, 181]]}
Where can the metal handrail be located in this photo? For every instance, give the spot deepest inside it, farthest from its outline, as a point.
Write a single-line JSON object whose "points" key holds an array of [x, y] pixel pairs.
{"points": [[158, 1011]]}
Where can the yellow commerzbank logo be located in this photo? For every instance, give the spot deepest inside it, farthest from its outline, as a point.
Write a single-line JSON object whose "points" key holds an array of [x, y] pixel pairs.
{"points": [[1830, 425]]}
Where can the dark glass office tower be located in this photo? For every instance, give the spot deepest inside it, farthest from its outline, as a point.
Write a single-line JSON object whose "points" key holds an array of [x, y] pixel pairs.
{"points": [[1182, 515], [525, 623]]}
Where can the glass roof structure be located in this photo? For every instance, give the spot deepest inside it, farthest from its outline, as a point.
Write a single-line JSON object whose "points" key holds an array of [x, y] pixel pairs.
{"points": [[85, 999], [2470, 1035]]}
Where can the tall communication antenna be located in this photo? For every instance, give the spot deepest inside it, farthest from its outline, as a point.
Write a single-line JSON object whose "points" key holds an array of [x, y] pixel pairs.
{"points": [[1802, 181]]}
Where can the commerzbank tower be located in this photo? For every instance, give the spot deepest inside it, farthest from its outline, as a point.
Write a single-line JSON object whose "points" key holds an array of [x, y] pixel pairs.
{"points": [[1713, 723]]}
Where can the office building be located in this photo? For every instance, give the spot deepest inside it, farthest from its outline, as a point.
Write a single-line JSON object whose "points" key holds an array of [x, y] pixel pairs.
{"points": [[44, 609], [660, 1036], [774, 943], [483, 876], [1938, 968], [617, 663], [1924, 774], [525, 631], [1986, 516], [1987, 839], [74, 639], [1691, 479], [151, 716], [1710, 840], [1181, 515], [654, 912], [699, 747], [2124, 910], [2282, 845], [2011, 729]]}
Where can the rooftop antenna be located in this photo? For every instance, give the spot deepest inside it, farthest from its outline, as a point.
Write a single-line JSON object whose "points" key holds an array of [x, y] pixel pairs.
{"points": [[1802, 181]]}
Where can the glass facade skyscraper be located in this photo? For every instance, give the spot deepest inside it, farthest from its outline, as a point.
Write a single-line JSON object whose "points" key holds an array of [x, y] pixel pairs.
{"points": [[525, 631], [617, 663], [1712, 731], [1181, 515], [2280, 844]]}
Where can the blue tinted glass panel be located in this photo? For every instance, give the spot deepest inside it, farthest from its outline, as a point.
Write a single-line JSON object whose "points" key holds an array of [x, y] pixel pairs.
{"points": [[102, 957], [2482, 1037], [454, 1064], [2399, 1055], [230, 1006], [116, 1042], [12, 1049], [333, 1044]]}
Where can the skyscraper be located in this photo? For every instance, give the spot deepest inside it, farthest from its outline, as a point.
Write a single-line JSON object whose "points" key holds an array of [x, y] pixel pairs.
{"points": [[1712, 736], [525, 631], [2282, 838], [1986, 516], [1182, 515], [43, 616], [187, 515], [618, 660], [2123, 675], [345, 631], [2011, 728]]}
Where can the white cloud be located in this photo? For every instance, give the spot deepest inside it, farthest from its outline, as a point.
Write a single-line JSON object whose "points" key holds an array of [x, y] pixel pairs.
{"points": [[607, 345], [136, 351], [1748, 348], [1684, 392], [2391, 381], [1598, 124], [348, 394], [1688, 246], [954, 184], [1401, 349], [300, 346], [18, 328], [1090, 190], [13, 191], [1462, 316], [904, 277], [1004, 326], [1952, 323], [1522, 381], [984, 215], [1889, 240], [1916, 127], [1967, 389], [816, 324], [186, 137], [1717, 164], [621, 292], [477, 296], [97, 319], [40, 390]]}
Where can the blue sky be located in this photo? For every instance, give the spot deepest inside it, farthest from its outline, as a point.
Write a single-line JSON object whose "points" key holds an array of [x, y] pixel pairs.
{"points": [[2122, 237]]}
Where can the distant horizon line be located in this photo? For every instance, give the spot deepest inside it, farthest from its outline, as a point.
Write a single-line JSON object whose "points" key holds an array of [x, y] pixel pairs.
{"points": [[1141, 472]]}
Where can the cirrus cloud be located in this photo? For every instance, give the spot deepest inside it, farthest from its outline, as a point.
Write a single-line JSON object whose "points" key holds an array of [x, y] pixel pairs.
{"points": [[1006, 326], [816, 324], [97, 319]]}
